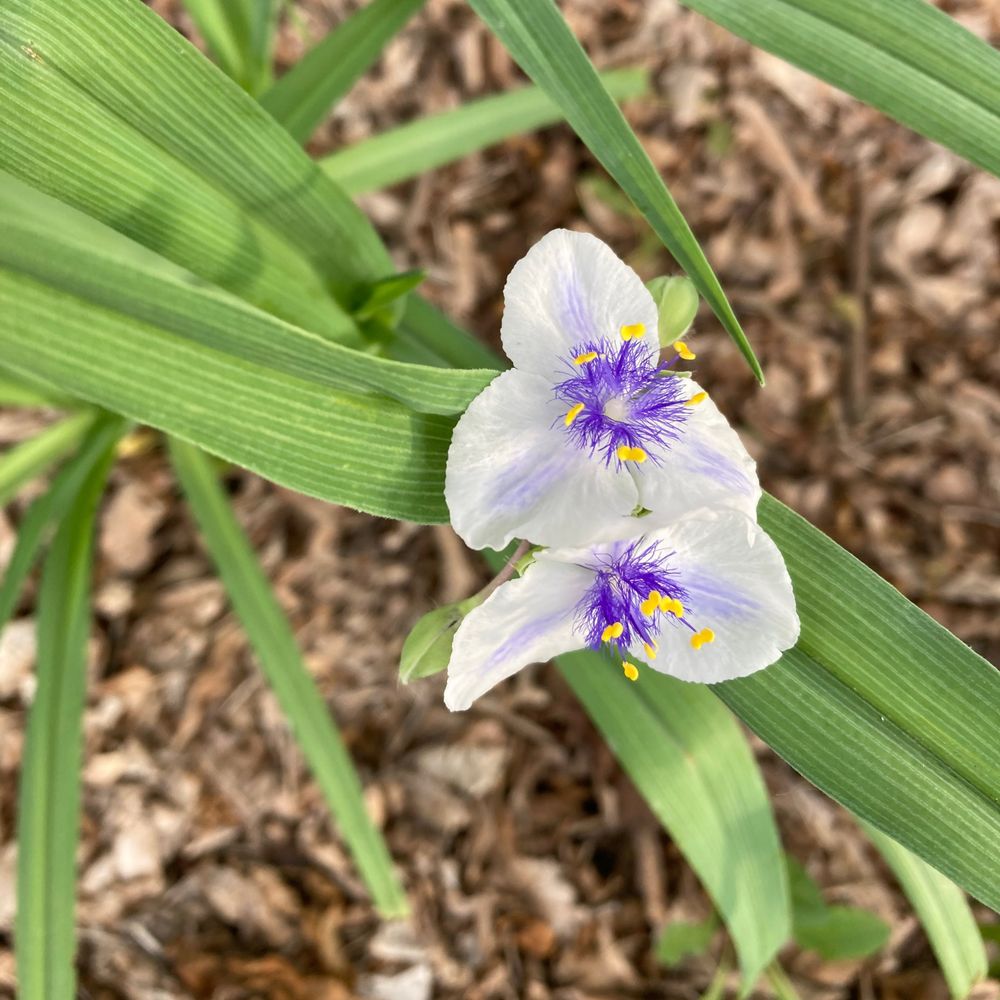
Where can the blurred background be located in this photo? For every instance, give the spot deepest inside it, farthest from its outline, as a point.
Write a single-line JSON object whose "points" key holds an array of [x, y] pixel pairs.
{"points": [[864, 262]]}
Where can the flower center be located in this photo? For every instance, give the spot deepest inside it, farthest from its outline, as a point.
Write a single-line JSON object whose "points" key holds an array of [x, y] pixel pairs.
{"points": [[635, 591], [622, 406]]}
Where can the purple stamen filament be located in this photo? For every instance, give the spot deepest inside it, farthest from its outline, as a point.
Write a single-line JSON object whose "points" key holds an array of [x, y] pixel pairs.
{"points": [[619, 404], [625, 579]]}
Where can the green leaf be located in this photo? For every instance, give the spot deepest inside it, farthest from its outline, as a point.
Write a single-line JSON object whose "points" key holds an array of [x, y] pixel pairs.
{"points": [[49, 794], [51, 506], [905, 57], [112, 111], [413, 149], [807, 897], [387, 291], [301, 99], [363, 451], [240, 36], [882, 708], [844, 932], [540, 40], [77, 256], [688, 757], [944, 913], [426, 325], [834, 932], [22, 463], [682, 938], [281, 662]]}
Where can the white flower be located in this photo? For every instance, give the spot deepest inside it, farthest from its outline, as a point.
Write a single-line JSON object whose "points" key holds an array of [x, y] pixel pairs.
{"points": [[706, 599], [588, 425]]}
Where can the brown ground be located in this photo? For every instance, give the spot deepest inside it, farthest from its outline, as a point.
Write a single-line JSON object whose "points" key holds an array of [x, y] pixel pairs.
{"points": [[864, 262]]}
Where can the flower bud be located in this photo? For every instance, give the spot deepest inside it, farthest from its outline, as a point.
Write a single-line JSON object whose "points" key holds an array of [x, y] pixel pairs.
{"points": [[427, 648], [676, 304]]}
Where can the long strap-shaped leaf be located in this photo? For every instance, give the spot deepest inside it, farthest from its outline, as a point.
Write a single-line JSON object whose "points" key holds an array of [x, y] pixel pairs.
{"points": [[688, 757], [301, 99], [905, 57], [540, 40], [416, 147], [51, 506], [883, 709], [49, 796], [240, 36], [368, 452], [281, 662], [878, 705], [20, 464], [944, 913], [108, 109], [73, 254]]}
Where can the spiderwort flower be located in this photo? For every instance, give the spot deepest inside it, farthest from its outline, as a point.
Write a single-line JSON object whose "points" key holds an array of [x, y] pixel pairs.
{"points": [[589, 425], [705, 599]]}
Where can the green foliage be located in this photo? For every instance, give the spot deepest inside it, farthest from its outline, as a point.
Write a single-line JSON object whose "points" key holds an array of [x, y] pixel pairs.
{"points": [[49, 795], [835, 932], [882, 708], [240, 36], [688, 757], [540, 40], [683, 938], [944, 914], [51, 506], [281, 662], [905, 57], [138, 130], [25, 461], [301, 99], [57, 260], [412, 149]]}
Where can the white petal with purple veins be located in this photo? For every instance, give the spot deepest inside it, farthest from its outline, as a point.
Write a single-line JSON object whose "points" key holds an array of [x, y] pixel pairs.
{"points": [[568, 289], [705, 465], [738, 587], [524, 621], [510, 473]]}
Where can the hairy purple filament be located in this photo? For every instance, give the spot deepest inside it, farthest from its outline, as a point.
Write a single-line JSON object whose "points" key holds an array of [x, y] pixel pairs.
{"points": [[627, 400], [625, 577]]}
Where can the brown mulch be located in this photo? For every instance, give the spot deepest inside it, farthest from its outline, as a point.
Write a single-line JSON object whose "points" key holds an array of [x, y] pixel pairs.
{"points": [[865, 264]]}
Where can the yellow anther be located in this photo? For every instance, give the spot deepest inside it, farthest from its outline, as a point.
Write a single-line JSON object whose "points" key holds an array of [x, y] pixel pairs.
{"points": [[631, 670], [582, 359], [700, 638], [612, 631], [575, 412], [672, 605], [684, 351], [650, 649], [633, 331], [651, 603], [698, 397], [627, 454]]}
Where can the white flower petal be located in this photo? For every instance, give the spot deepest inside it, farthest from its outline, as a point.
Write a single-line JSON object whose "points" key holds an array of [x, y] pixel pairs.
{"points": [[705, 466], [529, 620], [512, 472], [568, 289], [738, 587]]}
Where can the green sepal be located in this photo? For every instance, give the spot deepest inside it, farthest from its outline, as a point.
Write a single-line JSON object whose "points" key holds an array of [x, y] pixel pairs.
{"points": [[427, 648]]}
